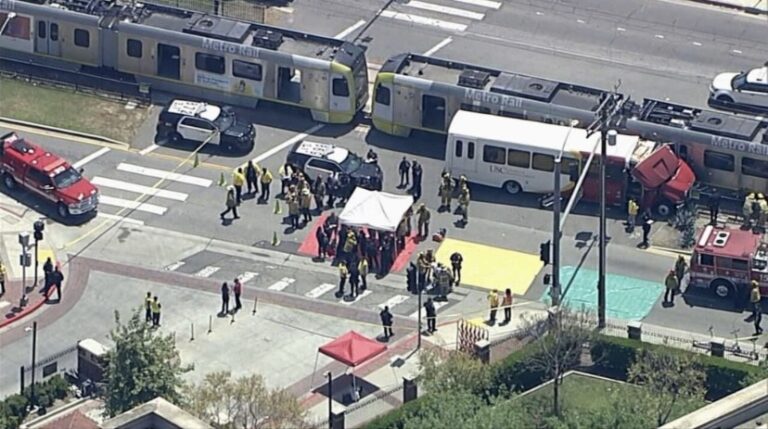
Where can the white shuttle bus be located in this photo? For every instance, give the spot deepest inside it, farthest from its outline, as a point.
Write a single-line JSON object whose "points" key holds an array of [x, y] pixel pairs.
{"points": [[518, 155]]}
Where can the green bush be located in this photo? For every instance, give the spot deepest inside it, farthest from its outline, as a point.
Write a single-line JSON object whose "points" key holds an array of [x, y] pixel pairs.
{"points": [[614, 356], [397, 417], [514, 372], [58, 387]]}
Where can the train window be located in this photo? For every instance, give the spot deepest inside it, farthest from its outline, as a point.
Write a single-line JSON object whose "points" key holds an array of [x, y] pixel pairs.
{"points": [[471, 150], [54, 31], [543, 162], [340, 87], [82, 38], [246, 70], [133, 48], [718, 160], [754, 167], [41, 27], [209, 63], [459, 148], [18, 27], [494, 154], [383, 94], [519, 158]]}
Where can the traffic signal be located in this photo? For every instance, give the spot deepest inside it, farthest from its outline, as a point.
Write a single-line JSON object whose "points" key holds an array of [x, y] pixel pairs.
{"points": [[39, 228], [544, 253]]}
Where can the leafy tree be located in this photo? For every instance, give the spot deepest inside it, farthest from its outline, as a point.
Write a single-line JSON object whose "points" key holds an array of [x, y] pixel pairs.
{"points": [[444, 409], [559, 349], [245, 402], [444, 370], [142, 365], [672, 382]]}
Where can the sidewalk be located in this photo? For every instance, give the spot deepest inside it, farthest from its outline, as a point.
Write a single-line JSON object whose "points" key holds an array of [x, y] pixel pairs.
{"points": [[758, 7]]}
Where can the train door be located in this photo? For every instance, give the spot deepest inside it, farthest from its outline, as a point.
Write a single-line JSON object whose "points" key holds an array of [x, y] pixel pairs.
{"points": [[382, 102], [433, 112], [341, 100], [168, 61], [41, 41], [109, 48], [54, 45], [288, 84], [47, 39]]}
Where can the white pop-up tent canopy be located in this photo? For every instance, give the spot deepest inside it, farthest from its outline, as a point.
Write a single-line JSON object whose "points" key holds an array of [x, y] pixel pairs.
{"points": [[375, 210]]}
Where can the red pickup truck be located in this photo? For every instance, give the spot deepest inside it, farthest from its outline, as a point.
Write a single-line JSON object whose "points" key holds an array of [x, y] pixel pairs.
{"points": [[24, 164]]}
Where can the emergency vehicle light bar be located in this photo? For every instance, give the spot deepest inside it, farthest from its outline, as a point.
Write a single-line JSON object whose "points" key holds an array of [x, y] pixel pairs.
{"points": [[705, 236]]}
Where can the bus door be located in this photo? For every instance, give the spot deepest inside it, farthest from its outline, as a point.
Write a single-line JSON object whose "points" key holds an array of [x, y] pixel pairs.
{"points": [[433, 112], [462, 159]]}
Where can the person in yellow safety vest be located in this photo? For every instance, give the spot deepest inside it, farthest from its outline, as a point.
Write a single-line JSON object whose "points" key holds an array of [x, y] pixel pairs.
{"points": [[493, 303], [155, 312], [763, 211], [351, 242], [746, 209], [362, 267], [343, 274], [293, 207], [266, 182], [463, 181], [2, 279], [446, 192], [671, 284], [464, 205], [632, 210], [238, 180], [757, 311]]}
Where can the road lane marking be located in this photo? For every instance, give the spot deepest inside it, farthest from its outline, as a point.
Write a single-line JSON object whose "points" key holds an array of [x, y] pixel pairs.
{"points": [[320, 290], [282, 284], [357, 298], [207, 271], [289, 142], [621, 29], [247, 276], [659, 36], [438, 306], [133, 205], [423, 20], [165, 175], [483, 3], [174, 266], [91, 157], [148, 149], [439, 46], [350, 29], [132, 187], [737, 51], [445, 9], [394, 301], [122, 219], [696, 44]]}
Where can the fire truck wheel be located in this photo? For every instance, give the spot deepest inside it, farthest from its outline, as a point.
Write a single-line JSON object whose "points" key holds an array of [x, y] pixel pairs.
{"points": [[63, 210], [722, 288], [664, 209], [9, 181]]}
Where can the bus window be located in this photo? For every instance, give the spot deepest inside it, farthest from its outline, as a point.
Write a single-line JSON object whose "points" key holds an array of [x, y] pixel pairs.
{"points": [[570, 164], [754, 167], [459, 148], [471, 150], [519, 158], [543, 162], [494, 154], [718, 160]]}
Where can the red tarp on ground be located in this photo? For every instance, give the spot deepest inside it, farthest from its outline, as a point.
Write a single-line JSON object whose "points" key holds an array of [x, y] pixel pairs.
{"points": [[352, 349]]}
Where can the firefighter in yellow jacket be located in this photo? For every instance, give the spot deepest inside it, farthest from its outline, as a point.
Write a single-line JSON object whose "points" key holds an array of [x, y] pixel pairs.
{"points": [[464, 205], [446, 191]]}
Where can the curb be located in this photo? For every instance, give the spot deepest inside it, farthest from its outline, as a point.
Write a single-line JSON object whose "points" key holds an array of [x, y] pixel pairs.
{"points": [[733, 5], [28, 310], [18, 122]]}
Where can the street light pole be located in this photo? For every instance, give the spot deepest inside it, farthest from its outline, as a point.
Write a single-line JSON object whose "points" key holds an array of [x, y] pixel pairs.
{"points": [[330, 399], [601, 263], [34, 357], [556, 208]]}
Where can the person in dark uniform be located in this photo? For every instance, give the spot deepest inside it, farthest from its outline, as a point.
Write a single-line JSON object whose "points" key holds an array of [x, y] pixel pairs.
{"points": [[387, 253], [429, 309], [410, 274], [47, 271], [237, 289], [354, 278], [456, 261], [322, 242], [647, 222], [224, 298], [251, 179], [757, 311], [361, 242], [319, 191], [714, 207], [404, 168], [386, 322], [57, 278], [416, 171], [148, 307], [371, 253], [332, 188]]}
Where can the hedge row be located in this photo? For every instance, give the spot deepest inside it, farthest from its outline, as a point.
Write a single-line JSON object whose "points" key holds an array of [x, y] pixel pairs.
{"points": [[614, 356], [13, 410]]}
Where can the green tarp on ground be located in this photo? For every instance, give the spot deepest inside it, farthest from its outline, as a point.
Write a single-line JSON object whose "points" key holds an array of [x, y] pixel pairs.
{"points": [[626, 298]]}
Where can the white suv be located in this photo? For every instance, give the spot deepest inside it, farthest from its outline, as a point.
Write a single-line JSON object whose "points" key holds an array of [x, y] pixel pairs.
{"points": [[745, 89]]}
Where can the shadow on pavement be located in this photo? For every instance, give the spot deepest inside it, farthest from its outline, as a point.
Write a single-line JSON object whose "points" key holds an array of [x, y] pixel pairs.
{"points": [[46, 208]]}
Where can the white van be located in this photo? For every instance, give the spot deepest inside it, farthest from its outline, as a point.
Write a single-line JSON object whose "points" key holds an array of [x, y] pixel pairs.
{"points": [[518, 155]]}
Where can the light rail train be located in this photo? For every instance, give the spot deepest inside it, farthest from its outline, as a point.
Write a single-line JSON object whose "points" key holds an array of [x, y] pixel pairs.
{"points": [[194, 54]]}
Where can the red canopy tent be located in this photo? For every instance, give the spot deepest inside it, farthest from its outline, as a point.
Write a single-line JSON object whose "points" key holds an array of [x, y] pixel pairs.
{"points": [[351, 349]]}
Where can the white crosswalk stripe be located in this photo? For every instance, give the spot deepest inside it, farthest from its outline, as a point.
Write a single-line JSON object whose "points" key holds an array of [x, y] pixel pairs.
{"points": [[358, 298], [445, 9], [247, 276], [282, 284], [133, 205], [441, 13], [394, 301], [438, 306], [139, 189], [174, 266], [482, 3], [423, 20], [320, 290], [207, 271], [162, 174]]}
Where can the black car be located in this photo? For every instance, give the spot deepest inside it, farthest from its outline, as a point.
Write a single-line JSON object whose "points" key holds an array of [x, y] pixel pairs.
{"points": [[202, 122], [323, 159]]}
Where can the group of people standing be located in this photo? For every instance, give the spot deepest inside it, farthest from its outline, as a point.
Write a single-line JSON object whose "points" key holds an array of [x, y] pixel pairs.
{"points": [[447, 191], [152, 308], [755, 210], [252, 177], [226, 291]]}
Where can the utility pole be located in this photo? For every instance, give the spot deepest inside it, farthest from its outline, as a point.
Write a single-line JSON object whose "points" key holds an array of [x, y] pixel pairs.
{"points": [[34, 357], [556, 230], [330, 399], [418, 340]]}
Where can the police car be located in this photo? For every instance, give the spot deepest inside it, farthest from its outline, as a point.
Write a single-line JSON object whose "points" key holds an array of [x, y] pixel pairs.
{"points": [[323, 159], [748, 90], [199, 122]]}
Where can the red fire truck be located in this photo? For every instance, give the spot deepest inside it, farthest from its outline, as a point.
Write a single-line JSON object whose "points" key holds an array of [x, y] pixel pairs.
{"points": [[726, 260]]}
